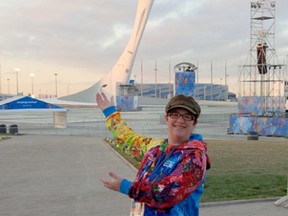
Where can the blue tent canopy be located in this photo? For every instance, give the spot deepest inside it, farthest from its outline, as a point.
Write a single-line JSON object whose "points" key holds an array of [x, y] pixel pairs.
{"points": [[26, 103]]}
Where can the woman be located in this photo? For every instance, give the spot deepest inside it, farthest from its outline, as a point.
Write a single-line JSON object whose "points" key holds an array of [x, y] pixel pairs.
{"points": [[171, 176]]}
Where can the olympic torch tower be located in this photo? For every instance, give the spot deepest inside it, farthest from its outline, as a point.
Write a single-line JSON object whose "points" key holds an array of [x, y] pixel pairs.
{"points": [[261, 100]]}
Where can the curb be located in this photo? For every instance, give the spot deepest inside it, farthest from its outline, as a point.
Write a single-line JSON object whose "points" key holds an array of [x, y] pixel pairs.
{"points": [[238, 202]]}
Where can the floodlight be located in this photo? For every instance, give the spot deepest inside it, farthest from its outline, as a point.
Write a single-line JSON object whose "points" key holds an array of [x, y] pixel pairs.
{"points": [[253, 5]]}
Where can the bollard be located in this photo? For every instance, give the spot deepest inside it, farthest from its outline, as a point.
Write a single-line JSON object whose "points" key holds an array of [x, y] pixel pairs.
{"points": [[3, 128], [252, 135], [13, 129]]}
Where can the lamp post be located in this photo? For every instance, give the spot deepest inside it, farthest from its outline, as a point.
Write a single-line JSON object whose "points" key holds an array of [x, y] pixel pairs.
{"points": [[286, 68], [0, 80], [68, 89], [8, 85], [55, 84], [32, 84], [211, 81], [155, 69], [17, 84]]}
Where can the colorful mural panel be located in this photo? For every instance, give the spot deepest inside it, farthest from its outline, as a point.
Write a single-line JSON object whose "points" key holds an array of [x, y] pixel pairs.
{"points": [[251, 105], [255, 105], [185, 83], [126, 103], [264, 126]]}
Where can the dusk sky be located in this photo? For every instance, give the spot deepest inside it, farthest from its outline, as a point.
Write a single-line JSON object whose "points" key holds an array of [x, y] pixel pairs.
{"points": [[81, 40]]}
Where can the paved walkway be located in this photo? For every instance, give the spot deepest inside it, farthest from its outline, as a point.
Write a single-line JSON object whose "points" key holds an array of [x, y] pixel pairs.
{"points": [[48, 175], [58, 176]]}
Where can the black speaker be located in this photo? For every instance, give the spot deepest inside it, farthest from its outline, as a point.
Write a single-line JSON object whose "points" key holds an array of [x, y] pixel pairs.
{"points": [[261, 58]]}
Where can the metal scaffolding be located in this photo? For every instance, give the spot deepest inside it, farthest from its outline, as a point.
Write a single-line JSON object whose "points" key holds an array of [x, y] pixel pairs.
{"points": [[263, 76]]}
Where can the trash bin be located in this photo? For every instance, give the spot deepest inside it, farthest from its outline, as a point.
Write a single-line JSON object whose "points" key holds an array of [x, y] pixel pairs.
{"points": [[252, 135], [13, 129], [3, 128]]}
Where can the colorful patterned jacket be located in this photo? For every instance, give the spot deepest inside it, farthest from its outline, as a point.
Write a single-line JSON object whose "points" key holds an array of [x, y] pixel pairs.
{"points": [[170, 180]]}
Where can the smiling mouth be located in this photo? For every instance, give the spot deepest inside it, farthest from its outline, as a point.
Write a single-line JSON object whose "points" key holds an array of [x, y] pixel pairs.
{"points": [[179, 126]]}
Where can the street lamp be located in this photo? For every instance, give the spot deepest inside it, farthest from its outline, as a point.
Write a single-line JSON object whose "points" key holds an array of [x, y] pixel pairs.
{"points": [[155, 69], [286, 68], [17, 85], [55, 84], [68, 89], [8, 85], [0, 80], [32, 84]]}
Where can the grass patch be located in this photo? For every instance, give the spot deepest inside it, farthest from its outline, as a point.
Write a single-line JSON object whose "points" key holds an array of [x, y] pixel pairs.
{"points": [[242, 169], [246, 170], [237, 187]]}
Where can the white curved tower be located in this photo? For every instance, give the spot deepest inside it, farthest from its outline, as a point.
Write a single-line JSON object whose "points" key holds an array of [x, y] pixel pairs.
{"points": [[120, 73]]}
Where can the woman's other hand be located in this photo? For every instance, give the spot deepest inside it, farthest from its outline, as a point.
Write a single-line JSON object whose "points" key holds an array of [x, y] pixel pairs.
{"points": [[103, 102]]}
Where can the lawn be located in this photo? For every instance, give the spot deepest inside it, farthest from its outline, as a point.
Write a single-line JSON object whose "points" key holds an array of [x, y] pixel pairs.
{"points": [[244, 169]]}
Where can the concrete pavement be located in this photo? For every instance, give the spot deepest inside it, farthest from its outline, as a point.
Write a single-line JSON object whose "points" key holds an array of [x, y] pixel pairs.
{"points": [[58, 176], [53, 175]]}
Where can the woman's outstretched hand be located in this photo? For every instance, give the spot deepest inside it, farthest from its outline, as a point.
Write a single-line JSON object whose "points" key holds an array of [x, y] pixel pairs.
{"points": [[103, 102], [113, 184]]}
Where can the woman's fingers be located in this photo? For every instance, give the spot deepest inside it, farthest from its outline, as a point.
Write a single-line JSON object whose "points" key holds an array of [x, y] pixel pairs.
{"points": [[114, 176], [114, 184], [104, 97], [111, 100]]}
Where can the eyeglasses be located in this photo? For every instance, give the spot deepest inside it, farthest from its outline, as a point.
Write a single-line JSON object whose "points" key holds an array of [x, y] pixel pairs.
{"points": [[185, 117]]}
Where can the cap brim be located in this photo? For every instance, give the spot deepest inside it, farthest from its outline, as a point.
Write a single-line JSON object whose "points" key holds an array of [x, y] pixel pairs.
{"points": [[184, 107]]}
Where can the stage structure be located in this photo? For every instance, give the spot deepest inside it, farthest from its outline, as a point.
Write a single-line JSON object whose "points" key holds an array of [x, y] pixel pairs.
{"points": [[261, 103], [120, 73], [185, 79]]}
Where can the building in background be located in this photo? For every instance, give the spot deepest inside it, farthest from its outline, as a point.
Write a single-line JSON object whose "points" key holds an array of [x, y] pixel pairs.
{"points": [[203, 91]]}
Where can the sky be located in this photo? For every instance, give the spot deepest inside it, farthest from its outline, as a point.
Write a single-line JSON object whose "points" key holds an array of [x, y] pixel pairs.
{"points": [[72, 44]]}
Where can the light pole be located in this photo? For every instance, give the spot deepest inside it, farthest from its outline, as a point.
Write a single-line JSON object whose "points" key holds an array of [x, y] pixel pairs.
{"points": [[211, 81], [17, 84], [155, 78], [55, 84], [68, 89], [141, 78], [32, 84], [286, 68], [0, 80], [8, 85]]}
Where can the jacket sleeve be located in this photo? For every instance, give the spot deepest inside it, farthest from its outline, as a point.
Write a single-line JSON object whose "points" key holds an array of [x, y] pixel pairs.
{"points": [[127, 139], [187, 176]]}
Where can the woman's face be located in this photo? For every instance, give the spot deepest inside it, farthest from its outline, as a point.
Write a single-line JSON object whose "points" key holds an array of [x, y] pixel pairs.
{"points": [[179, 129]]}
